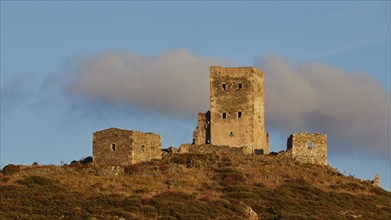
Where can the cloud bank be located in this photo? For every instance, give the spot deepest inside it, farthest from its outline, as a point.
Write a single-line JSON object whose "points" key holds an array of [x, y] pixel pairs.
{"points": [[175, 81], [353, 109], [17, 91]]}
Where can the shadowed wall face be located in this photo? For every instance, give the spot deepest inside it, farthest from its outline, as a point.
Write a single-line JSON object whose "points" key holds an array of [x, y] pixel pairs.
{"points": [[237, 108], [308, 148], [123, 147], [201, 134]]}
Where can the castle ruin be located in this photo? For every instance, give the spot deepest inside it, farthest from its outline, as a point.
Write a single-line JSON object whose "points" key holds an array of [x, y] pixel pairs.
{"points": [[115, 146], [234, 124], [237, 113]]}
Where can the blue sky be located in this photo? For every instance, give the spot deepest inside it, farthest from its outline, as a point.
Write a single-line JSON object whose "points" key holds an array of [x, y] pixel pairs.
{"points": [[71, 68]]}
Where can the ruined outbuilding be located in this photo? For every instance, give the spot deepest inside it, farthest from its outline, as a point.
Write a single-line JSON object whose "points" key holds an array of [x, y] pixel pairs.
{"points": [[235, 124], [237, 115], [308, 148], [115, 146]]}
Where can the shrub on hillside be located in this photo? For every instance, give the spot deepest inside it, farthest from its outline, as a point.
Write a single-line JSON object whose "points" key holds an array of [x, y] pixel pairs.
{"points": [[352, 186], [76, 165], [10, 169], [225, 162], [194, 160], [181, 205], [133, 169], [228, 177], [34, 181], [86, 160]]}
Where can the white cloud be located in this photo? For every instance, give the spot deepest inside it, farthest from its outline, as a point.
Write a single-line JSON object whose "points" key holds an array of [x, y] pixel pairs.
{"points": [[174, 81], [353, 109]]}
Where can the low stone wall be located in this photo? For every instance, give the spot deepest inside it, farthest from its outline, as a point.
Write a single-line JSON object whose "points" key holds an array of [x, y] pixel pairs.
{"points": [[208, 148]]}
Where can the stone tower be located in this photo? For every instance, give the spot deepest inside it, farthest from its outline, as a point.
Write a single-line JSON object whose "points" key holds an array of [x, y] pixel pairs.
{"points": [[237, 115]]}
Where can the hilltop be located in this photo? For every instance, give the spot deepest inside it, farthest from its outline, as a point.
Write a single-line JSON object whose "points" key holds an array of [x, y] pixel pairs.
{"points": [[190, 186]]}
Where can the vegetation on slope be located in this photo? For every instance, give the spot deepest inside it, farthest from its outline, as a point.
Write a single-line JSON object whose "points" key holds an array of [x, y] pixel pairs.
{"points": [[190, 186]]}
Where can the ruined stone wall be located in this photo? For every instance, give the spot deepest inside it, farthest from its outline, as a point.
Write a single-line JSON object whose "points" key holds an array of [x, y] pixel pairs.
{"points": [[112, 147], [201, 134], [146, 146], [237, 108], [308, 148], [376, 180], [259, 135], [115, 146], [211, 149]]}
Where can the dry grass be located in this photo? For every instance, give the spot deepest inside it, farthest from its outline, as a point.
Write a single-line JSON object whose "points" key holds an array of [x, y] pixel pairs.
{"points": [[190, 187]]}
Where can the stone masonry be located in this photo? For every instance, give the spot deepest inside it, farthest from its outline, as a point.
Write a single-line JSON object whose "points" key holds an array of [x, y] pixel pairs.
{"points": [[209, 149], [237, 115], [308, 148], [235, 124], [115, 146], [201, 134], [376, 180]]}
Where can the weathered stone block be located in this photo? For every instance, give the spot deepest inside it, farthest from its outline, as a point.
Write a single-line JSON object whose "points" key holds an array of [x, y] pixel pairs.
{"points": [[201, 134], [115, 146]]}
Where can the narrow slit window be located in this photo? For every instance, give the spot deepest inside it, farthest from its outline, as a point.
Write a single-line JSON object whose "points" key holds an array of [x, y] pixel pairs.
{"points": [[224, 115], [239, 114], [113, 147], [231, 133], [240, 86], [224, 86], [309, 144]]}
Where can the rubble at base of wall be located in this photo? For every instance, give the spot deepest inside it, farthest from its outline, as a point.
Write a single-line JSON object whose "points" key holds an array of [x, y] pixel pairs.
{"points": [[208, 148], [108, 170]]}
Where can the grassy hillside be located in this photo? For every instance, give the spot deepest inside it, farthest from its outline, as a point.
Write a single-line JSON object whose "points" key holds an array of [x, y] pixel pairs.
{"points": [[190, 186]]}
